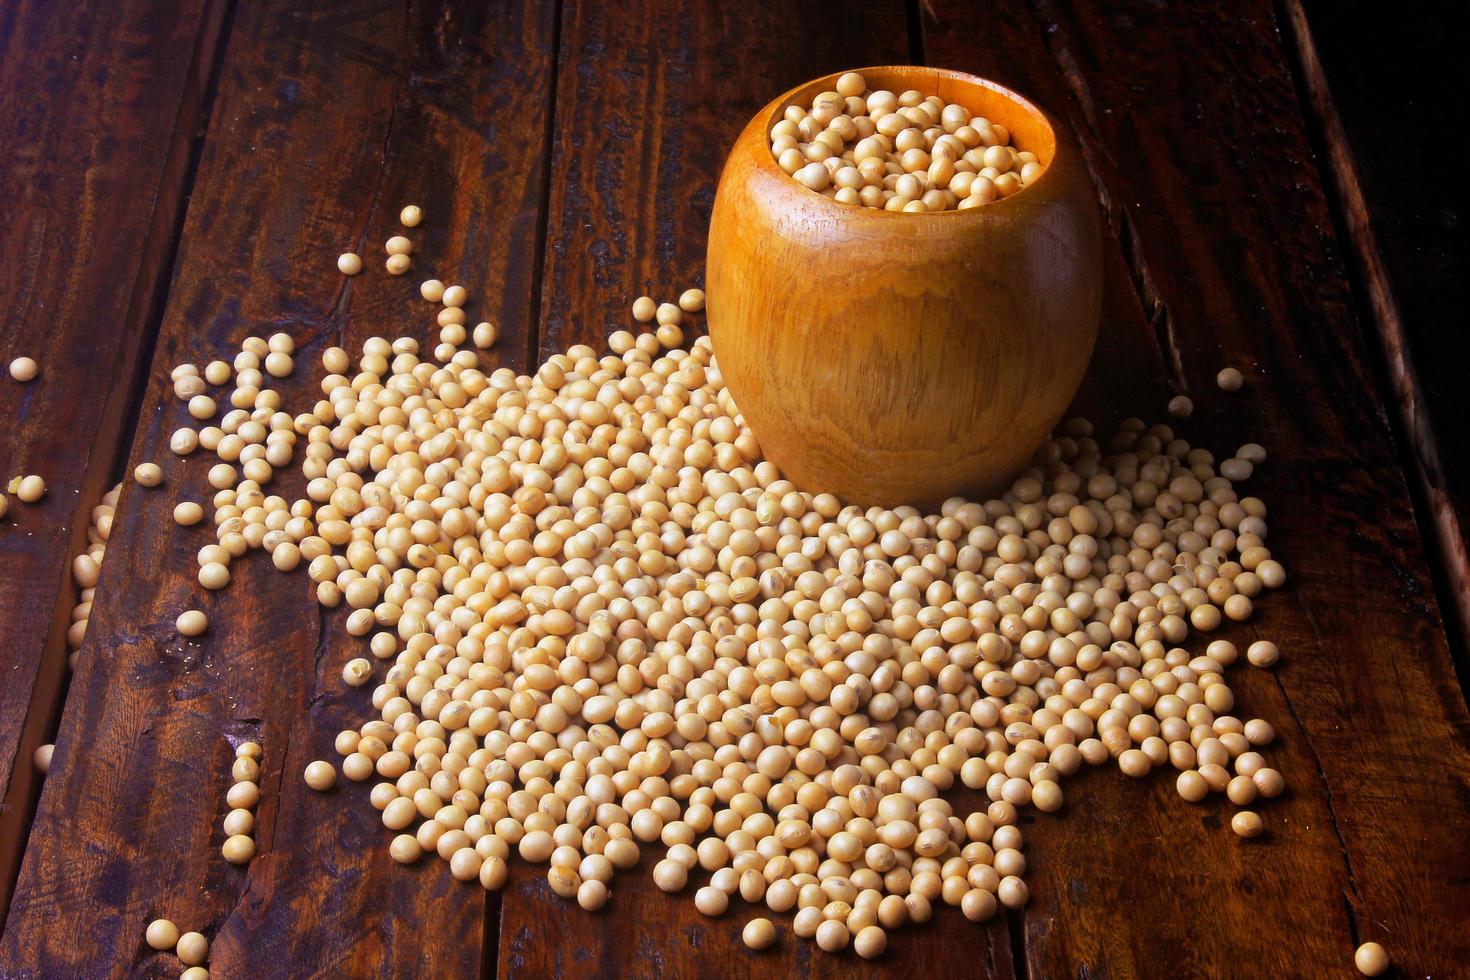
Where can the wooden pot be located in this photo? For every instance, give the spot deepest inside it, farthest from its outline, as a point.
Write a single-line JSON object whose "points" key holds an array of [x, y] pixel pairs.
{"points": [[896, 358]]}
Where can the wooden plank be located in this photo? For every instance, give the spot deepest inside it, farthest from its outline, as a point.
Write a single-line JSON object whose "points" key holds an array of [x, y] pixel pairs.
{"points": [[95, 139], [327, 121], [649, 100], [1411, 260], [1195, 135]]}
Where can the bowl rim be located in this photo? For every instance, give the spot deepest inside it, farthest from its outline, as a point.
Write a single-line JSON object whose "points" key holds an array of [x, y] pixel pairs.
{"points": [[766, 117]]}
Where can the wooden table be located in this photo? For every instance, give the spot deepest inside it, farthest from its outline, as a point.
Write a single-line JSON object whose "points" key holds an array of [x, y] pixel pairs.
{"points": [[178, 174]]}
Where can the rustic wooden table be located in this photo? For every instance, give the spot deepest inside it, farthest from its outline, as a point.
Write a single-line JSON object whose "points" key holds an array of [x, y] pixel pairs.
{"points": [[178, 174]]}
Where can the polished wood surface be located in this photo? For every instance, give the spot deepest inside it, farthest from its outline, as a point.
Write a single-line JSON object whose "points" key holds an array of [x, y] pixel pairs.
{"points": [[896, 358], [567, 157]]}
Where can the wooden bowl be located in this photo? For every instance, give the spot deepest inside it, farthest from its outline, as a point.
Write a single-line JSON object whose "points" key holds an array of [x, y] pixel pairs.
{"points": [[896, 358]]}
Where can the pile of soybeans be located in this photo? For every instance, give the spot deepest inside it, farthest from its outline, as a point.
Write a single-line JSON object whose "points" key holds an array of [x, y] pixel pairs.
{"points": [[597, 622]]}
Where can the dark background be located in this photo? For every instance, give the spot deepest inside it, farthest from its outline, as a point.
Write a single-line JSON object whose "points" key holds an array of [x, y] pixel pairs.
{"points": [[1400, 75]]}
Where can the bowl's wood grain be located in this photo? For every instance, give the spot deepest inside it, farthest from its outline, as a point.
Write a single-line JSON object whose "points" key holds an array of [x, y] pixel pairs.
{"points": [[897, 358]]}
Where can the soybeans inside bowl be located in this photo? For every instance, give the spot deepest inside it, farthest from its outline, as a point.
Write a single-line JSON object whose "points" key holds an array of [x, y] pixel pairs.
{"points": [[899, 151]]}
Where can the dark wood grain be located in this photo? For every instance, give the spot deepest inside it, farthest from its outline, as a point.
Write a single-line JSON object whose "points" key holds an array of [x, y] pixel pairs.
{"points": [[1183, 114], [1407, 242], [98, 110], [326, 123], [668, 87]]}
